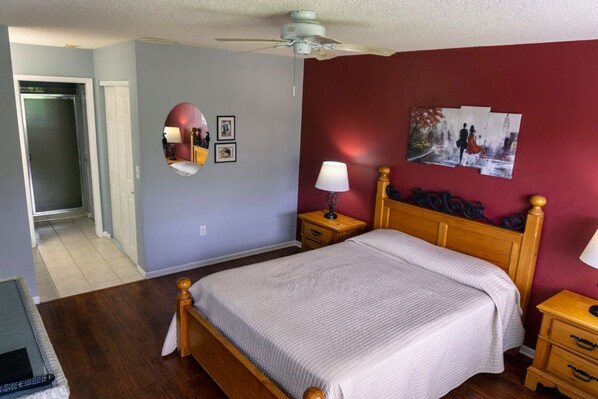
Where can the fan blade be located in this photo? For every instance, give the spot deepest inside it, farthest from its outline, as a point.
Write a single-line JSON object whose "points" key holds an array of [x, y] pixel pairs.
{"points": [[273, 41], [322, 54], [261, 48], [358, 48], [322, 39]]}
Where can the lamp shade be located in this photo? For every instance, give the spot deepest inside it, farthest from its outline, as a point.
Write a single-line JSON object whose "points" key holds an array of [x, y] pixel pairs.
{"points": [[333, 177], [590, 254], [173, 134]]}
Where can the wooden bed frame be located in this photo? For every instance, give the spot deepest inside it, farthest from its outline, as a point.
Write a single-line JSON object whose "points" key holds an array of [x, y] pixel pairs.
{"points": [[514, 252]]}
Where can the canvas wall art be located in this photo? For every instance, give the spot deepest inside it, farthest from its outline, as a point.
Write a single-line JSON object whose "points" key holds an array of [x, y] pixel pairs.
{"points": [[468, 136], [432, 136]]}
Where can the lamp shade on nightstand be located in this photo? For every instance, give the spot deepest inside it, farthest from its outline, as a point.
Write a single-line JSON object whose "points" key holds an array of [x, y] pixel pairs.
{"points": [[173, 134], [590, 256], [332, 178]]}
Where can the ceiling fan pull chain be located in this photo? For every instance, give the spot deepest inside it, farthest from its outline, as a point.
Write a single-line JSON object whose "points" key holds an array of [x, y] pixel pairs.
{"points": [[294, 72]]}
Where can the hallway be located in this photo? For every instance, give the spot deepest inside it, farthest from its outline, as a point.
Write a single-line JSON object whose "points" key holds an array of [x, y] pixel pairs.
{"points": [[70, 259]]}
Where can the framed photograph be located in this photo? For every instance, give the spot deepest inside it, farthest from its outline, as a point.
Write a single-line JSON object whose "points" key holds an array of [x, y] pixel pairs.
{"points": [[226, 128], [225, 152]]}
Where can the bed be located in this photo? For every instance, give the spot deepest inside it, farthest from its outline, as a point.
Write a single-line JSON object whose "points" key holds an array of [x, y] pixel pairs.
{"points": [[198, 155], [346, 318]]}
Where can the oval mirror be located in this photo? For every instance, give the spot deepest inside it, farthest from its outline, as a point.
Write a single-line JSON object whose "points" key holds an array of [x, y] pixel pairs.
{"points": [[185, 139]]}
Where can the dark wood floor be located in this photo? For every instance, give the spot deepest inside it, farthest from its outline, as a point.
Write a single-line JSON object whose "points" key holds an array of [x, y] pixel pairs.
{"points": [[109, 343]]}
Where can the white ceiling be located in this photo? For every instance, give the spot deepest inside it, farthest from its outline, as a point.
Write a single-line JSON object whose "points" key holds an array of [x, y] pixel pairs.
{"points": [[399, 24]]}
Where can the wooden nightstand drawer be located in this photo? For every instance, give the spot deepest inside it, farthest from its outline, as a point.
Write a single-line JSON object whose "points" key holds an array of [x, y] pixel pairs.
{"points": [[317, 233], [578, 372], [307, 244], [575, 338]]}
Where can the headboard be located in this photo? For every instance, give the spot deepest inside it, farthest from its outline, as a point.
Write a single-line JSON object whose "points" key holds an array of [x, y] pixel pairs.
{"points": [[199, 155], [513, 251]]}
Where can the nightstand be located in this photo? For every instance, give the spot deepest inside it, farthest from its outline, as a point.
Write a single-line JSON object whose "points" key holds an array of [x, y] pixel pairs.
{"points": [[567, 349], [317, 231]]}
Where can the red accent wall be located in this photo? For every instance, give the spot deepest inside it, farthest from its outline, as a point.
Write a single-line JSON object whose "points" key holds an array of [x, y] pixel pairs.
{"points": [[356, 110]]}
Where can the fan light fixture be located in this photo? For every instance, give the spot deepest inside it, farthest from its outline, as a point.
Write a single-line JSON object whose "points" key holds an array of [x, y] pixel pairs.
{"points": [[332, 178]]}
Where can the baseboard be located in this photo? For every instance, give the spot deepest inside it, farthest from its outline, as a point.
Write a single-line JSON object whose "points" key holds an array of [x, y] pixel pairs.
{"points": [[36, 300], [527, 351], [107, 235], [211, 261], [298, 243]]}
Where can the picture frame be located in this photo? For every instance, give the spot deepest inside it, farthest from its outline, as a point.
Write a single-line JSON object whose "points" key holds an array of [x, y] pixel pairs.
{"points": [[225, 152], [226, 128]]}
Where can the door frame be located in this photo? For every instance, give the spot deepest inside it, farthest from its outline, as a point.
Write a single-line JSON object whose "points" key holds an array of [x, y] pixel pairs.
{"points": [[92, 140]]}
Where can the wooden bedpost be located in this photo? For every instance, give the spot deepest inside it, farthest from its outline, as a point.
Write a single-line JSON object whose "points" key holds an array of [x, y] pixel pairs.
{"points": [[183, 299], [380, 215], [313, 393], [529, 249]]}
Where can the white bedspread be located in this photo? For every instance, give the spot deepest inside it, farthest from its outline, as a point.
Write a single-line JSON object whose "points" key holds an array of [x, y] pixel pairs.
{"points": [[383, 315]]}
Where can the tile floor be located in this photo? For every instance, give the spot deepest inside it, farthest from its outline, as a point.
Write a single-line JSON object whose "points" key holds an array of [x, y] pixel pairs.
{"points": [[70, 259]]}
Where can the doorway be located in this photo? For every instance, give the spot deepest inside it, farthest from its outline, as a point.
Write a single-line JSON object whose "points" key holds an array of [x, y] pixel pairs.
{"points": [[89, 182]]}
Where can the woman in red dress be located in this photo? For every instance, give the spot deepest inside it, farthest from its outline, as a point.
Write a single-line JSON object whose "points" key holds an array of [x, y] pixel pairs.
{"points": [[472, 146]]}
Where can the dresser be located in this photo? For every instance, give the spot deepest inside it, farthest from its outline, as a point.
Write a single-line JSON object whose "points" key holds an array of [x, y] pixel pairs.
{"points": [[317, 231], [567, 349]]}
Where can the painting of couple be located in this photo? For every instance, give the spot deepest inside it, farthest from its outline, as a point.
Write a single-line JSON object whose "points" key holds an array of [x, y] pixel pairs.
{"points": [[468, 136]]}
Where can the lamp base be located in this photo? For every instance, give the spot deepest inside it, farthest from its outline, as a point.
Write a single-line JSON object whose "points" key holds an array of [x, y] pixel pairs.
{"points": [[331, 201], [330, 215], [594, 310]]}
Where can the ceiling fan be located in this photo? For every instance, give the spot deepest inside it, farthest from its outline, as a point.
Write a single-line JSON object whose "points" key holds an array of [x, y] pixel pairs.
{"points": [[306, 36]]}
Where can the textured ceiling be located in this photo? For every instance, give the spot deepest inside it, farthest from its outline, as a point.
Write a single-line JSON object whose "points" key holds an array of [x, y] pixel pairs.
{"points": [[399, 24]]}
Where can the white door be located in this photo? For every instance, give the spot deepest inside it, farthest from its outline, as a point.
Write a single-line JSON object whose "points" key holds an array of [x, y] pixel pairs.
{"points": [[120, 160]]}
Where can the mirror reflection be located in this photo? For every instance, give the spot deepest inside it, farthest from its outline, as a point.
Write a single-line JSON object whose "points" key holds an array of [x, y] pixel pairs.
{"points": [[185, 139]]}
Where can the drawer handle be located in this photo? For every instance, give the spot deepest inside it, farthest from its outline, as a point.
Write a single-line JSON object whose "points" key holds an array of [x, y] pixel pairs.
{"points": [[584, 343], [582, 375], [315, 233]]}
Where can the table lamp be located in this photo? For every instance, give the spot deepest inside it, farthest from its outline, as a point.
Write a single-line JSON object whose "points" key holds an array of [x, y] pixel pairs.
{"points": [[173, 136], [590, 256], [332, 178]]}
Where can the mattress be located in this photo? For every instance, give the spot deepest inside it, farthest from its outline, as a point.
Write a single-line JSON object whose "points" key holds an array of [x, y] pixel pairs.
{"points": [[382, 315]]}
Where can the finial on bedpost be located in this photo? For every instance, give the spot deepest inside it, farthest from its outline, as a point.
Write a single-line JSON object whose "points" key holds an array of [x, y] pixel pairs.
{"points": [[183, 285], [184, 299], [380, 213], [313, 393], [537, 202], [384, 171]]}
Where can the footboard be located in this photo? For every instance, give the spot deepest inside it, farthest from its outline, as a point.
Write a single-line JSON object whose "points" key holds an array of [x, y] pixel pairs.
{"points": [[228, 367]]}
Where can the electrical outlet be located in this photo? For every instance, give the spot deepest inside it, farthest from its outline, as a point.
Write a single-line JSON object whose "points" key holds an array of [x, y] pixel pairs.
{"points": [[202, 230], [137, 171]]}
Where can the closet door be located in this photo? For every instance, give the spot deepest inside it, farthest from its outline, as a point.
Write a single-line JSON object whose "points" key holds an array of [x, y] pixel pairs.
{"points": [[120, 160]]}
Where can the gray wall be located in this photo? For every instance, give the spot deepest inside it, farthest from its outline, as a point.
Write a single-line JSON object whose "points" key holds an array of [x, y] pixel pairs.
{"points": [[117, 63], [245, 205], [15, 242], [30, 59]]}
